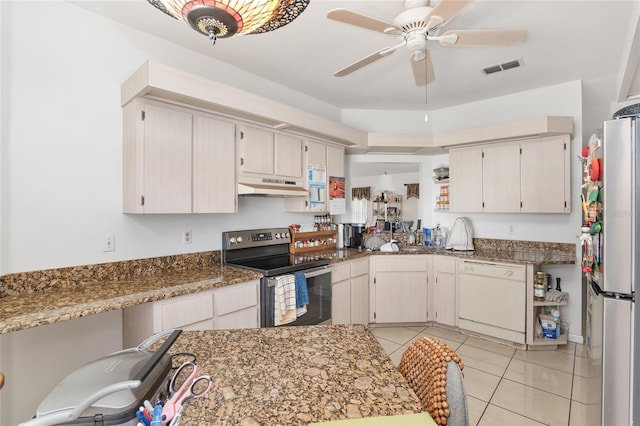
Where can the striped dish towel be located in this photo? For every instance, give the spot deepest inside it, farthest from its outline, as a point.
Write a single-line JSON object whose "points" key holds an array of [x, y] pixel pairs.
{"points": [[285, 300]]}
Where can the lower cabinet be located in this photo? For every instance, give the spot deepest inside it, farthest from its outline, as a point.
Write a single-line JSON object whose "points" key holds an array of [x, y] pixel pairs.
{"points": [[445, 293], [234, 306], [350, 292], [399, 288]]}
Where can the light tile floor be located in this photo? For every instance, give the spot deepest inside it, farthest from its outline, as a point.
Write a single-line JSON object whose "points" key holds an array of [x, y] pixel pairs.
{"points": [[509, 386]]}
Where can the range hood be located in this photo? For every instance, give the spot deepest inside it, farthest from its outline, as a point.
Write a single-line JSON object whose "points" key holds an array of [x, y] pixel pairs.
{"points": [[271, 187]]}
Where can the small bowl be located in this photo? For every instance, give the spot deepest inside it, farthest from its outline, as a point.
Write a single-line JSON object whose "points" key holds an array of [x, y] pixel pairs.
{"points": [[441, 172]]}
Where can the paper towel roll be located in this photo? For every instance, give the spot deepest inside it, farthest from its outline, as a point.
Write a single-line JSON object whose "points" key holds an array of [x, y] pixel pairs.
{"points": [[340, 236]]}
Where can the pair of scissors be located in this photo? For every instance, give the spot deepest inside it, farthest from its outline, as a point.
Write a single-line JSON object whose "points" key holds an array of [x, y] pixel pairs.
{"points": [[184, 385]]}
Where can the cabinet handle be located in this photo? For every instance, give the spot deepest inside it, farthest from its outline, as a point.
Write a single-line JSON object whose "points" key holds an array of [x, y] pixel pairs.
{"points": [[142, 200], [241, 161]]}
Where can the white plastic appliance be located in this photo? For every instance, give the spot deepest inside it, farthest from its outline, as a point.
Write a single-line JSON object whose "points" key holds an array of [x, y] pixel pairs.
{"points": [[461, 236]]}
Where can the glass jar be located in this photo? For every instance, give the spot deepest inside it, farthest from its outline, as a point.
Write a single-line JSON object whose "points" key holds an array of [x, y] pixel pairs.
{"points": [[540, 286]]}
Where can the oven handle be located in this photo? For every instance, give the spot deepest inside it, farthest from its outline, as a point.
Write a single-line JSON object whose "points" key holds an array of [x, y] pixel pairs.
{"points": [[308, 274]]}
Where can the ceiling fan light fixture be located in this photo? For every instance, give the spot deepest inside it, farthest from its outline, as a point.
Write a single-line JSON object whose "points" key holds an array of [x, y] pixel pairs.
{"points": [[418, 55], [227, 18]]}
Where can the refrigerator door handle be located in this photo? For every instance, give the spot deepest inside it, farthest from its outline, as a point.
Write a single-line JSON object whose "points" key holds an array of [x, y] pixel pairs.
{"points": [[612, 295]]}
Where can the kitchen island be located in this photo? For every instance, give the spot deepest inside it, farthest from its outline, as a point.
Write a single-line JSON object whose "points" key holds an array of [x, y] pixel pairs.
{"points": [[294, 375]]}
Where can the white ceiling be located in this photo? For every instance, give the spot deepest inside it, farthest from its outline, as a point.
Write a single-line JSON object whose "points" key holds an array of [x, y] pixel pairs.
{"points": [[568, 40]]}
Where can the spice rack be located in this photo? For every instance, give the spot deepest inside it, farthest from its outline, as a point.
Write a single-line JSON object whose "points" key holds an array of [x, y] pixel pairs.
{"points": [[303, 242]]}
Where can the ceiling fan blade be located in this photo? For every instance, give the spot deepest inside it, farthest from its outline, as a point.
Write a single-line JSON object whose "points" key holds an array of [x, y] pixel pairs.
{"points": [[447, 10], [365, 61], [362, 21], [423, 70], [483, 37]]}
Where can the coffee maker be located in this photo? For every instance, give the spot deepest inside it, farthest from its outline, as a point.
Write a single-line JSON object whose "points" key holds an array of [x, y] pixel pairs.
{"points": [[353, 234]]}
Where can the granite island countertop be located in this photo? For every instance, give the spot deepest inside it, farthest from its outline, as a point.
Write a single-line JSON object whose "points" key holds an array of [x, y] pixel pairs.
{"points": [[294, 375]]}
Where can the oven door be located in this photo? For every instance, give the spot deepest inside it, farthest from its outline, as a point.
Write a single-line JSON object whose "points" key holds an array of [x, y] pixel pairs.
{"points": [[319, 307]]}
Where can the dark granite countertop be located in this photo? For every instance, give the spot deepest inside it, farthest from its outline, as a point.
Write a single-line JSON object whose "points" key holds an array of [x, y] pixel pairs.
{"points": [[535, 257], [51, 305], [37, 298], [293, 375]]}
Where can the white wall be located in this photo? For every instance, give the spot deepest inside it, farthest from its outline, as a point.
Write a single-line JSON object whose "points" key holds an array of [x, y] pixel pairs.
{"points": [[62, 135]]}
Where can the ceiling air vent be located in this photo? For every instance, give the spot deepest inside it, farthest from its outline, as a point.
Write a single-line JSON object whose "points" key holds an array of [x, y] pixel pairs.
{"points": [[502, 67]]}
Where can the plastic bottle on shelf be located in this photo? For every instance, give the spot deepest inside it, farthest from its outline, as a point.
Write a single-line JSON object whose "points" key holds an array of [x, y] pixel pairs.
{"points": [[437, 240]]}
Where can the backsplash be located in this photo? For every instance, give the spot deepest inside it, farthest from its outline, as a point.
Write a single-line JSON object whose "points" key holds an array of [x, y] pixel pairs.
{"points": [[30, 282], [488, 245]]}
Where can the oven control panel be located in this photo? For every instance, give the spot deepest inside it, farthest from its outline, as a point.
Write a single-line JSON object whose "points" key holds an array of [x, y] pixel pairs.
{"points": [[233, 240]]}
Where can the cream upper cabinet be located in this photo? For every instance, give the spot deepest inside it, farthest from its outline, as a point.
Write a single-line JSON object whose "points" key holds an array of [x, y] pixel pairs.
{"points": [[263, 153], [545, 183], [315, 161], [335, 161], [288, 156], [530, 176], [214, 186], [255, 150], [176, 160], [500, 178], [465, 179]]}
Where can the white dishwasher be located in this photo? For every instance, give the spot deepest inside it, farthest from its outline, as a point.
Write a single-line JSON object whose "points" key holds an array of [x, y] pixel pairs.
{"points": [[492, 299]]}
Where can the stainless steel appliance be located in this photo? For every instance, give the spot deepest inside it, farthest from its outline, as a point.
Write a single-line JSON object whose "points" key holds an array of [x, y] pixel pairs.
{"points": [[109, 390], [611, 243], [267, 251], [353, 234]]}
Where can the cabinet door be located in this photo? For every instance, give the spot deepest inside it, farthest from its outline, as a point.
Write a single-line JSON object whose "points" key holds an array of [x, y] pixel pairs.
{"points": [[287, 156], [214, 184], [166, 186], [335, 161], [360, 299], [445, 298], [184, 311], [500, 178], [255, 150], [545, 177], [317, 179], [414, 297], [245, 318], [316, 154], [465, 179], [341, 302], [388, 297]]}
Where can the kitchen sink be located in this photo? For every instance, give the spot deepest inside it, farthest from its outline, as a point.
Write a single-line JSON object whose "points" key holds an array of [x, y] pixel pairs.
{"points": [[412, 248]]}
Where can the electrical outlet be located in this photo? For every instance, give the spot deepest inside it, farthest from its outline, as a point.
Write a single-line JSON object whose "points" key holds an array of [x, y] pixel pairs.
{"points": [[109, 242], [186, 237], [511, 228]]}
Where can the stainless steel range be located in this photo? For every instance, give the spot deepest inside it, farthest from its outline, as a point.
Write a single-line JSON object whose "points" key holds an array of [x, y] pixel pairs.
{"points": [[267, 251]]}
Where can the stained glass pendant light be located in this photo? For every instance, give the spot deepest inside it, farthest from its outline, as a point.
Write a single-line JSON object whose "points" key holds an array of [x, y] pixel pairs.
{"points": [[227, 18]]}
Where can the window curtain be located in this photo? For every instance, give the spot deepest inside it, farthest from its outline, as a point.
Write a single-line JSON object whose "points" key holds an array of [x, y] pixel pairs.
{"points": [[362, 193], [413, 190], [360, 204]]}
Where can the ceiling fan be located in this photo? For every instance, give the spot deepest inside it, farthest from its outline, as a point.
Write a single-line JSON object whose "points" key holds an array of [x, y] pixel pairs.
{"points": [[415, 27]]}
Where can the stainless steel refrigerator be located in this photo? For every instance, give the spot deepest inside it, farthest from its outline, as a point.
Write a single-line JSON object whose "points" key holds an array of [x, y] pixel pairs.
{"points": [[611, 250]]}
